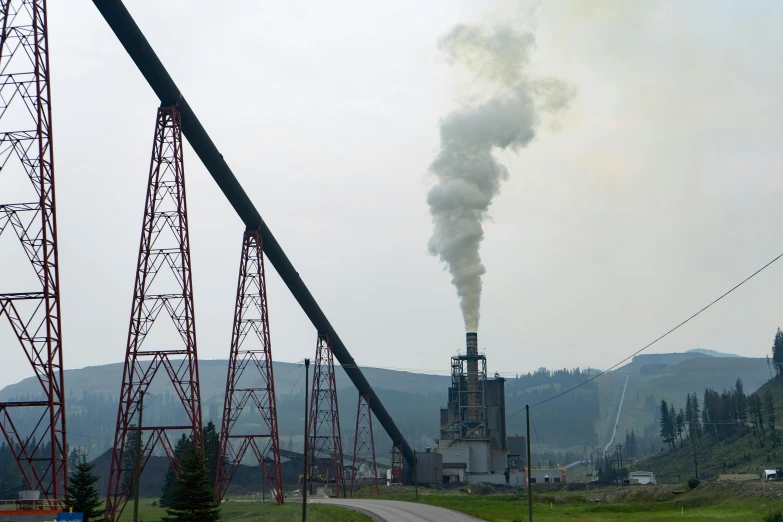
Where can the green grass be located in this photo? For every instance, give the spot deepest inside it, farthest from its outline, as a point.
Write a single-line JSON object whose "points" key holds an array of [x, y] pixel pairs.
{"points": [[725, 502], [637, 504], [252, 511]]}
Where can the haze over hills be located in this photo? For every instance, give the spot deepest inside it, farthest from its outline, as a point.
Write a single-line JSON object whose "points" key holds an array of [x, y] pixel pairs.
{"points": [[713, 353], [653, 377], [584, 419]]}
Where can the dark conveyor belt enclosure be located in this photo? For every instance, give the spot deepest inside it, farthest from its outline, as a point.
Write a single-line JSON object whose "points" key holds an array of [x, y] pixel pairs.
{"points": [[142, 54]]}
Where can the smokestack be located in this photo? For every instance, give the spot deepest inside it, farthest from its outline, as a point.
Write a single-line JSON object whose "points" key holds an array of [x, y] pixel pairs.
{"points": [[471, 341], [474, 402]]}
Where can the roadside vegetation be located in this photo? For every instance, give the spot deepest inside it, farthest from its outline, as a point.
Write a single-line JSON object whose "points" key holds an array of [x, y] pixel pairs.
{"points": [[252, 511], [706, 502]]}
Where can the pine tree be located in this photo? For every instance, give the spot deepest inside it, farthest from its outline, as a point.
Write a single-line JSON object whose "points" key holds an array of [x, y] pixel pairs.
{"points": [[129, 458], [695, 407], [82, 496], [769, 413], [211, 447], [679, 424], [170, 480], [12, 482], [192, 499], [777, 352], [667, 425]]}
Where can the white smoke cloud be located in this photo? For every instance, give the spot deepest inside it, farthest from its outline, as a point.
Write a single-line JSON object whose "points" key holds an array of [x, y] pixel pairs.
{"points": [[468, 175]]}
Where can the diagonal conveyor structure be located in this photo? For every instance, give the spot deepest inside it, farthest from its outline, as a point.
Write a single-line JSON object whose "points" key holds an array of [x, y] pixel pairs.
{"points": [[138, 48]]}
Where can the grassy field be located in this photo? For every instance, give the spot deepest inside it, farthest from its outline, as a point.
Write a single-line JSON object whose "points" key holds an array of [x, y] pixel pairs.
{"points": [[252, 511], [726, 502], [709, 502]]}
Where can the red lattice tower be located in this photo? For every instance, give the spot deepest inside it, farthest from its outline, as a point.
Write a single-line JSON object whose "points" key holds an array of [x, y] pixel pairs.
{"points": [[34, 312], [251, 350], [364, 448], [163, 284], [397, 477], [326, 447]]}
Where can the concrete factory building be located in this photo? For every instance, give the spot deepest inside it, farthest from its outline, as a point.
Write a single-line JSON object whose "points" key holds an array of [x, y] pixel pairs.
{"points": [[472, 445]]}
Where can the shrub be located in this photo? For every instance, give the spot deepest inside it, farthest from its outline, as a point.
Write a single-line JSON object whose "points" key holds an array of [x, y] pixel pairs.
{"points": [[774, 516], [694, 483]]}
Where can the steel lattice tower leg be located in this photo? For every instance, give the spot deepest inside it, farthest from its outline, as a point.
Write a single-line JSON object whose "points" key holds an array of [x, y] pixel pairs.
{"points": [[163, 283], [364, 446], [396, 466], [250, 347], [34, 314], [326, 447]]}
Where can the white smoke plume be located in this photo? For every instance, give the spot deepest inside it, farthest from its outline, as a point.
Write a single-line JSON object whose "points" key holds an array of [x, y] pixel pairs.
{"points": [[468, 175]]}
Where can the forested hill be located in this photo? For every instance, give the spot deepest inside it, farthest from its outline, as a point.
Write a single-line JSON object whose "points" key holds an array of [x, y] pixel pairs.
{"points": [[578, 420], [723, 431], [571, 422]]}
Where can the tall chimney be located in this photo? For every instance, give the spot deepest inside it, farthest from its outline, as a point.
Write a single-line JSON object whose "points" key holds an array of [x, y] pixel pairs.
{"points": [[474, 402]]}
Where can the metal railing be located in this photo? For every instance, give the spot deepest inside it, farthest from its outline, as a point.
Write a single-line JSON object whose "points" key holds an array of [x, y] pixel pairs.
{"points": [[43, 504]]}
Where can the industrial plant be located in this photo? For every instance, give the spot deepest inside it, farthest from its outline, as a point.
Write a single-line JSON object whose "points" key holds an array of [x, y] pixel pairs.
{"points": [[473, 446]]}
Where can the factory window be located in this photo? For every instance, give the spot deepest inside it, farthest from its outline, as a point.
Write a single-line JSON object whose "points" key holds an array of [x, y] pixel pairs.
{"points": [[533, 480], [557, 479]]}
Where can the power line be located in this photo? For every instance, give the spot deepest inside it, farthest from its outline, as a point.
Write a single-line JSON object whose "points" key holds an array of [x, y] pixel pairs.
{"points": [[591, 379]]}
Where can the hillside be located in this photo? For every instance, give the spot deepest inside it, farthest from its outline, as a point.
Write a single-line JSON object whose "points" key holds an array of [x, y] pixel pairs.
{"points": [[742, 452], [577, 421], [289, 378], [672, 383], [92, 408]]}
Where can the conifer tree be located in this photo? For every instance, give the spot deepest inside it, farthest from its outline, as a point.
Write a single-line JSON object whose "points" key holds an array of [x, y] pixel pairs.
{"points": [[696, 412], [679, 424], [211, 447], [777, 353], [192, 498], [82, 496], [170, 480], [769, 413], [667, 425]]}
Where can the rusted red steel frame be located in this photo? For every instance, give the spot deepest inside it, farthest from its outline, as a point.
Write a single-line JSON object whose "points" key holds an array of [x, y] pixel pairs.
{"points": [[251, 326], [324, 418], [364, 444], [24, 42], [397, 476], [166, 188]]}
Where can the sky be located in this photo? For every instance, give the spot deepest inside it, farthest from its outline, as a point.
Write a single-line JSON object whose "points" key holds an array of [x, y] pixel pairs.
{"points": [[657, 190]]}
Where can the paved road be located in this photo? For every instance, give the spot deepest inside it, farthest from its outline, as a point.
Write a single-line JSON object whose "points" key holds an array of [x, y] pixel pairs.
{"points": [[395, 511]]}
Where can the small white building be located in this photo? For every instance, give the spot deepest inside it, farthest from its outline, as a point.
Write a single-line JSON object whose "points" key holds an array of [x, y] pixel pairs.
{"points": [[770, 474], [641, 477]]}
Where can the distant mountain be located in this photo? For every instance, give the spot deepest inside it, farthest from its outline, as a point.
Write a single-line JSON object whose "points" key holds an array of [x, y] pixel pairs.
{"points": [[413, 399], [289, 378], [584, 418], [670, 377], [713, 353]]}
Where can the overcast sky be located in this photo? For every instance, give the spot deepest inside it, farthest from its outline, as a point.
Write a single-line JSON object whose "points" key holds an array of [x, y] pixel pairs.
{"points": [[658, 190]]}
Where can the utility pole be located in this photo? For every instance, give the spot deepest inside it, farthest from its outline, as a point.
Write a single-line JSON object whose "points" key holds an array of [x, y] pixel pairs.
{"points": [[415, 475], [306, 432], [137, 470], [529, 467], [695, 462]]}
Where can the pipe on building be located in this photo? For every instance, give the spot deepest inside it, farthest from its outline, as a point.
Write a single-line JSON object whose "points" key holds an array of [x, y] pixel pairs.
{"points": [[138, 48]]}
